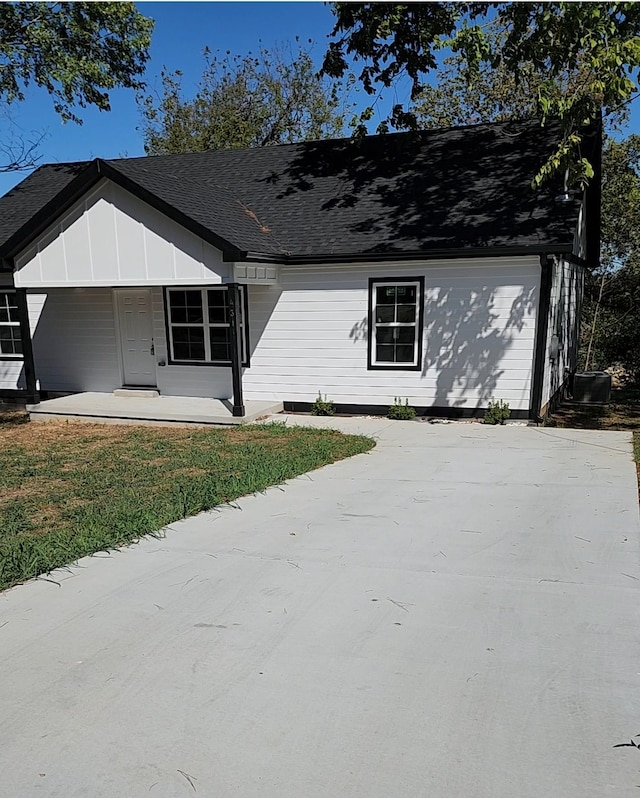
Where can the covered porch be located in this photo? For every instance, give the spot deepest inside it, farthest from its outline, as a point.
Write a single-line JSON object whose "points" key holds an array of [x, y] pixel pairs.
{"points": [[147, 407], [127, 314]]}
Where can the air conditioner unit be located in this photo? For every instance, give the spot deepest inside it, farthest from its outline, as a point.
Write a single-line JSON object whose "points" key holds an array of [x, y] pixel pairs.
{"points": [[592, 387]]}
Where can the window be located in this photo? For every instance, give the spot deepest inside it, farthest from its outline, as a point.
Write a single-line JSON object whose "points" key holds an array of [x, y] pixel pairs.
{"points": [[395, 324], [199, 325], [10, 336]]}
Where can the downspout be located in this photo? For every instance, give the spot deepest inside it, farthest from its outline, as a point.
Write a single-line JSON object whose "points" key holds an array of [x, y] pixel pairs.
{"points": [[542, 329]]}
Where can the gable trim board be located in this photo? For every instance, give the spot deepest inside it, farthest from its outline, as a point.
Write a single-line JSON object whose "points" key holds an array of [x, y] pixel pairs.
{"points": [[494, 321]]}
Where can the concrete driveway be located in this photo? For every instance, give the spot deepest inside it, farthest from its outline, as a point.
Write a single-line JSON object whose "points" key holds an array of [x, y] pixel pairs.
{"points": [[452, 614]]}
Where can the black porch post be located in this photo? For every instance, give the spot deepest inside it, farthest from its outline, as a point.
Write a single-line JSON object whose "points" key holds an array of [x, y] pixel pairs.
{"points": [[27, 348], [235, 342]]}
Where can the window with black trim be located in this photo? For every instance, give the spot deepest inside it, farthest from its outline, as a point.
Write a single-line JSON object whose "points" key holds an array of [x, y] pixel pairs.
{"points": [[395, 323], [199, 325], [10, 336]]}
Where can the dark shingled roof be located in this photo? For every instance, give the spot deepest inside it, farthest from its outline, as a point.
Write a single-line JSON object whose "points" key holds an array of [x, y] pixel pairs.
{"points": [[400, 194]]}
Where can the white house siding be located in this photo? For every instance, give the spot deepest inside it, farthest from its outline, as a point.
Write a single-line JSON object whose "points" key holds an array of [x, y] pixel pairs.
{"points": [[74, 339], [111, 238], [310, 335], [564, 308], [11, 375]]}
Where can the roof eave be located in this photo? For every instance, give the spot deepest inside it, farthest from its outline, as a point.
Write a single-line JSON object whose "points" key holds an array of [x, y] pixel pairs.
{"points": [[559, 248]]}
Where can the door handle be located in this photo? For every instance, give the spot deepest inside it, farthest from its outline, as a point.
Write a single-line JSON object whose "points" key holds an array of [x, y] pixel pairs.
{"points": [[153, 349]]}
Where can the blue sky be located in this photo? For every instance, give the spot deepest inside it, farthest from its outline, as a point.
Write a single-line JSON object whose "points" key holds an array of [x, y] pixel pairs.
{"points": [[182, 31]]}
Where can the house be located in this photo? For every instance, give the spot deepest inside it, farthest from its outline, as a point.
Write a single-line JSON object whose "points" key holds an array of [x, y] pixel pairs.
{"points": [[419, 265]]}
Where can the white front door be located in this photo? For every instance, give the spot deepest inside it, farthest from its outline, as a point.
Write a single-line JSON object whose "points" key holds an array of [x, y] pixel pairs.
{"points": [[136, 336]]}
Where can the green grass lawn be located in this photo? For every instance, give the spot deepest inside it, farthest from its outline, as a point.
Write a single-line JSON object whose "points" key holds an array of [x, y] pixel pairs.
{"points": [[68, 490]]}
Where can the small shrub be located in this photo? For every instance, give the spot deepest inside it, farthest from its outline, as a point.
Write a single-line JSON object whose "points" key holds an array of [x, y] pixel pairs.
{"points": [[497, 412], [323, 407], [400, 411]]}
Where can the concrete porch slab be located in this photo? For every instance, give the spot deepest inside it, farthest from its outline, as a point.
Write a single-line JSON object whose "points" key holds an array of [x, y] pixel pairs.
{"points": [[110, 409]]}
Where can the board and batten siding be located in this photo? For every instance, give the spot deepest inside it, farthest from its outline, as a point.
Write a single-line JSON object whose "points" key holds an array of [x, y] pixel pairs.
{"points": [[561, 354], [310, 335], [112, 238]]}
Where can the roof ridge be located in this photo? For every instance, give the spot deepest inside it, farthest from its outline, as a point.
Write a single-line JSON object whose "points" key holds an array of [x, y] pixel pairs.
{"points": [[431, 131]]}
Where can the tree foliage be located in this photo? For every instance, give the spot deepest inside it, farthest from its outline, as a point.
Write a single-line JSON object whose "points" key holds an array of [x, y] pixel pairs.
{"points": [[77, 52], [454, 98], [611, 308], [549, 41], [243, 101]]}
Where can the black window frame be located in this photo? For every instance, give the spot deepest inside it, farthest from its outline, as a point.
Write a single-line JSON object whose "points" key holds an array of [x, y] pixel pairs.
{"points": [[206, 325], [13, 324], [374, 282]]}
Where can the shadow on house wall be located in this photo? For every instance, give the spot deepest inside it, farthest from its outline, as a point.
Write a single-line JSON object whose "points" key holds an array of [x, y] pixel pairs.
{"points": [[464, 345], [12, 375]]}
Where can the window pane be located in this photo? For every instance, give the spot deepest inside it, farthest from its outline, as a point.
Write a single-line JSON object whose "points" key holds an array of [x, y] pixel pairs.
{"points": [[406, 313], [385, 353], [188, 343], [217, 297], [406, 294], [218, 305], [219, 337], [385, 295], [220, 352], [10, 341], [404, 354], [186, 307], [405, 335], [384, 335], [218, 315], [8, 307], [219, 334], [384, 313]]}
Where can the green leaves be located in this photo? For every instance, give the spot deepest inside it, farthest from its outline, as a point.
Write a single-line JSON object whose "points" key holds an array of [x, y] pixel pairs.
{"points": [[252, 101], [566, 61], [77, 52]]}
